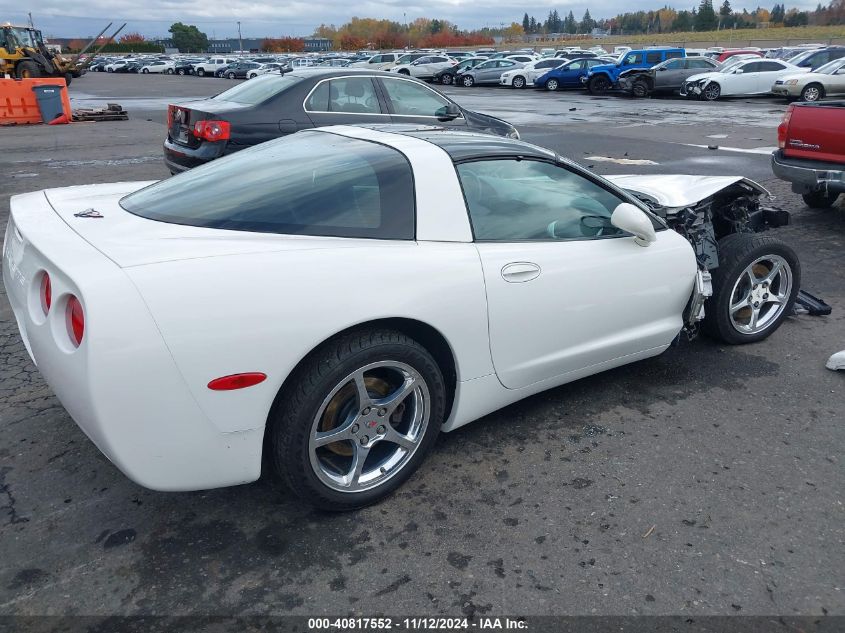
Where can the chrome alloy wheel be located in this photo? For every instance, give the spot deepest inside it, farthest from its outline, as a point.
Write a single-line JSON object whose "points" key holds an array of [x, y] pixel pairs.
{"points": [[369, 426], [811, 93], [760, 294]]}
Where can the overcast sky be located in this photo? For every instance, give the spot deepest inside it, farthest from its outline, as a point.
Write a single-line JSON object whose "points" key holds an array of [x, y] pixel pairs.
{"points": [[260, 18]]}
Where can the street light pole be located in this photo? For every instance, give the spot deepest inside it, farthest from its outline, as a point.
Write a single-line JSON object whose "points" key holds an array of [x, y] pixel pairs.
{"points": [[407, 29], [240, 40]]}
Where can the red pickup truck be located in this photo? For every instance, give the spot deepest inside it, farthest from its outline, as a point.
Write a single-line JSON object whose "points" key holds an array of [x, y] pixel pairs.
{"points": [[811, 139]]}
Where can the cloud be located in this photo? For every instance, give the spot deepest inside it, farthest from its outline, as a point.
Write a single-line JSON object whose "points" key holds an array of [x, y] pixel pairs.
{"points": [[265, 18]]}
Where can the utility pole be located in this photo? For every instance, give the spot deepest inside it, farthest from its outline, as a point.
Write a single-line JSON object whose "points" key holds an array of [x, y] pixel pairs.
{"points": [[31, 24], [407, 29], [240, 40]]}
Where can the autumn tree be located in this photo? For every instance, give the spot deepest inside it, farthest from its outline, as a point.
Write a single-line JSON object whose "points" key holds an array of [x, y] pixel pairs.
{"points": [[132, 38]]}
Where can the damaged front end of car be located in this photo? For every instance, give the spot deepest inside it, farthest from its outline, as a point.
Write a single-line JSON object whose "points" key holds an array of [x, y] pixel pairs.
{"points": [[704, 209]]}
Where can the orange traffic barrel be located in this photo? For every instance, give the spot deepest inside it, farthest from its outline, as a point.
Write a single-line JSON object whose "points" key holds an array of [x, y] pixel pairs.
{"points": [[18, 102]]}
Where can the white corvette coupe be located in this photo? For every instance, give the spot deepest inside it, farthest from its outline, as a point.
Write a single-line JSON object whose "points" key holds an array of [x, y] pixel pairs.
{"points": [[334, 299], [750, 77]]}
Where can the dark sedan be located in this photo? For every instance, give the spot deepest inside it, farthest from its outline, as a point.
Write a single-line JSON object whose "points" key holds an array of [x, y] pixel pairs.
{"points": [[274, 105], [447, 75]]}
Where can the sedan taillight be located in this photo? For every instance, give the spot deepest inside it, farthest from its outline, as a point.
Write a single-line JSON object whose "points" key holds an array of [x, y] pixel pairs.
{"points": [[212, 130], [75, 320]]}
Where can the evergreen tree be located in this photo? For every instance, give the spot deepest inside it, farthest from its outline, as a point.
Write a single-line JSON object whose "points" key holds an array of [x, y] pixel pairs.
{"points": [[706, 19], [726, 15], [526, 23], [587, 22]]}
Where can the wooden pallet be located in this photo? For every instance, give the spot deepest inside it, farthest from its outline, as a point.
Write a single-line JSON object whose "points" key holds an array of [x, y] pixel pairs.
{"points": [[112, 112]]}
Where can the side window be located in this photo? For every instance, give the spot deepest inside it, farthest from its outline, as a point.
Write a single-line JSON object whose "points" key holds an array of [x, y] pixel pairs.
{"points": [[653, 58], [506, 63], [318, 100], [355, 95], [768, 67], [579, 65], [376, 59], [752, 68], [511, 200], [699, 63], [675, 65], [837, 54], [674, 55], [412, 99], [632, 58]]}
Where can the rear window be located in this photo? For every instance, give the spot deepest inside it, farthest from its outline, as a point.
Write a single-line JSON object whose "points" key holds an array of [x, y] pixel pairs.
{"points": [[258, 90], [311, 183]]}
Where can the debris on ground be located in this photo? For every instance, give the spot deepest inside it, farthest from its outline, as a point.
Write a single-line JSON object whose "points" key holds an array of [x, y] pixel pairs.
{"points": [[837, 361], [112, 112]]}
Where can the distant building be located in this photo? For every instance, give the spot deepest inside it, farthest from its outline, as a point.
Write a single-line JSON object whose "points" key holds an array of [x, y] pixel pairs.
{"points": [[317, 44], [599, 33], [233, 44]]}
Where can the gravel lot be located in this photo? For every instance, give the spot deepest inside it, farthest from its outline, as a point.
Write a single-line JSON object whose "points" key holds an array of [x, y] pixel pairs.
{"points": [[708, 480]]}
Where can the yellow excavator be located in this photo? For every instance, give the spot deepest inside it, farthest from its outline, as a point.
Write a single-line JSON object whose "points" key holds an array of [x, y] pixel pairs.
{"points": [[23, 54]]}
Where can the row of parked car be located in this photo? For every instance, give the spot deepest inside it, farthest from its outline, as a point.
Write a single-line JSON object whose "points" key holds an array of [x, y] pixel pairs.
{"points": [[808, 75]]}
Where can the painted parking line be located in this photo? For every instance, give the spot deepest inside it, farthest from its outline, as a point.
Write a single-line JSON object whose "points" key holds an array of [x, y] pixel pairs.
{"points": [[743, 150]]}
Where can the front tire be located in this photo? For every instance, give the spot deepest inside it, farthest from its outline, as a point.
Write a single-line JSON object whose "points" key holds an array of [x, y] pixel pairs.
{"points": [[518, 82], [145, 71], [639, 89], [181, 72], [231, 75], [820, 199], [552, 85], [201, 73], [812, 92], [468, 81], [404, 72], [754, 288], [711, 92], [446, 80], [598, 85], [356, 419]]}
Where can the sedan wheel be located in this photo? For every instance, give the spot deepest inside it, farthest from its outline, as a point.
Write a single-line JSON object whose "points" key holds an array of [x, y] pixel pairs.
{"points": [[446, 80], [145, 71], [813, 92], [181, 71], [231, 75], [754, 288], [711, 92], [518, 81], [169, 71], [598, 85], [468, 81], [360, 418], [552, 84], [201, 72]]}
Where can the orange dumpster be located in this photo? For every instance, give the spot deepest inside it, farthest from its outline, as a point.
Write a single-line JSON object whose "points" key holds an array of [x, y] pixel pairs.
{"points": [[18, 103]]}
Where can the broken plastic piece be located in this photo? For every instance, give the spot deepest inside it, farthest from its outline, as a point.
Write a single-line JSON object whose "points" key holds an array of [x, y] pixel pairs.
{"points": [[837, 361], [813, 305]]}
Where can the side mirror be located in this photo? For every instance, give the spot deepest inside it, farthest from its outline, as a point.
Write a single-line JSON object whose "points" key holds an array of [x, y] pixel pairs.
{"points": [[739, 71], [662, 68], [448, 112], [632, 220]]}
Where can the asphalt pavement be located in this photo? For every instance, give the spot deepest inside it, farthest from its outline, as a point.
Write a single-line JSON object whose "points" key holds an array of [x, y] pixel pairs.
{"points": [[706, 481]]}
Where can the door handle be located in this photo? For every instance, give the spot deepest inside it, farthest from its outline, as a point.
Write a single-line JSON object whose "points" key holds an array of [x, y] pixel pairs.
{"points": [[518, 272]]}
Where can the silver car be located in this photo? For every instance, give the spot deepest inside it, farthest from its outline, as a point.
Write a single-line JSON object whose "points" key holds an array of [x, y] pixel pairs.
{"points": [[489, 72]]}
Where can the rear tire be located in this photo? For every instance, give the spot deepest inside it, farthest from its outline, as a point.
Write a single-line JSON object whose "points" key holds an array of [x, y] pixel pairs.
{"points": [[446, 80], [181, 71], [322, 396], [201, 72], [169, 71], [145, 71], [231, 75], [28, 70], [820, 199], [754, 288], [405, 72]]}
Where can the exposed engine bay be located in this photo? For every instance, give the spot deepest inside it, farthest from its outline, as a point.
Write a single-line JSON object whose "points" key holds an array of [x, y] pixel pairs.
{"points": [[705, 209]]}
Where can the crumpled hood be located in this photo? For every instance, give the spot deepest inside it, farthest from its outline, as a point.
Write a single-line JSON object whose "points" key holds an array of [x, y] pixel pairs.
{"points": [[680, 190]]}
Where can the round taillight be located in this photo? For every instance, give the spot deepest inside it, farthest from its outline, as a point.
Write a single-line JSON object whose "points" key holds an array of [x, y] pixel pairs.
{"points": [[46, 293], [75, 320]]}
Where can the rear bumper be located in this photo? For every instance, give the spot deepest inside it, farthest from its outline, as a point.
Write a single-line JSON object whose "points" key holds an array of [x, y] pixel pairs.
{"points": [[121, 385], [179, 158], [808, 175]]}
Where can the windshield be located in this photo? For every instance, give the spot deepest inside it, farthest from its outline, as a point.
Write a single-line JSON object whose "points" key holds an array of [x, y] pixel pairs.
{"points": [[259, 89], [831, 67], [800, 57], [311, 183]]}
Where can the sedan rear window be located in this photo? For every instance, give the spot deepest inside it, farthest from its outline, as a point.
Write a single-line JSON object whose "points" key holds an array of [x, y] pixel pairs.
{"points": [[310, 183], [258, 90]]}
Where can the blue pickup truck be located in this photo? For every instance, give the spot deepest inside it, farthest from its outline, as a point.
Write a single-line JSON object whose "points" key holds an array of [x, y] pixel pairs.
{"points": [[603, 78]]}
